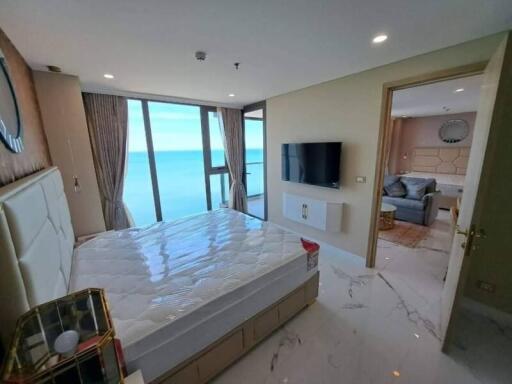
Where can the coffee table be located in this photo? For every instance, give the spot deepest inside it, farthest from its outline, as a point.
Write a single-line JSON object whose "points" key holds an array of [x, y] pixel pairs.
{"points": [[387, 216]]}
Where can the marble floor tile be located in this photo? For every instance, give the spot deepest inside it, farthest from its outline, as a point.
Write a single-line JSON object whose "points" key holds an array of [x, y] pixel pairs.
{"points": [[365, 327], [484, 345]]}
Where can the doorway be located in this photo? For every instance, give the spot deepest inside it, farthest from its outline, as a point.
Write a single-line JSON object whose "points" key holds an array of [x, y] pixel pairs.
{"points": [[478, 277], [430, 138]]}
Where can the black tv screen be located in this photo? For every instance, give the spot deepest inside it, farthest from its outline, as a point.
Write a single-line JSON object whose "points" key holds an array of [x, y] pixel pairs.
{"points": [[312, 163]]}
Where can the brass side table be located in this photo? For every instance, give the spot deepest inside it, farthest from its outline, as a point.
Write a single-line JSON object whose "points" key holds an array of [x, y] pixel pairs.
{"points": [[387, 217]]}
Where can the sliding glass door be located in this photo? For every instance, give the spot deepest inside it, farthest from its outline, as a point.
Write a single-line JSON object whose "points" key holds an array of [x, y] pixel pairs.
{"points": [[254, 157]]}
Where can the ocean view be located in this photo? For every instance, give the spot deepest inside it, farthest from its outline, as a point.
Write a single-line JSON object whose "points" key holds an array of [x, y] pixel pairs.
{"points": [[181, 182]]}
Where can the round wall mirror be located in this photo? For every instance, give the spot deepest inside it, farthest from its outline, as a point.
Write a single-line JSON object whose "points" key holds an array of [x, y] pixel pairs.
{"points": [[10, 121], [453, 131]]}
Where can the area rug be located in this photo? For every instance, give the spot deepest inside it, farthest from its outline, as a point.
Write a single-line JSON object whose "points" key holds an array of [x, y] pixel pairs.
{"points": [[406, 234]]}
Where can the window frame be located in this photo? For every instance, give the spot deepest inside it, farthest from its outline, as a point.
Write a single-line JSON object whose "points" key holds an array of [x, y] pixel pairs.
{"points": [[250, 108]]}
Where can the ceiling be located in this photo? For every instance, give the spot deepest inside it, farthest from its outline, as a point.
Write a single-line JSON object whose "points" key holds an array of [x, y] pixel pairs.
{"points": [[282, 45], [438, 98]]}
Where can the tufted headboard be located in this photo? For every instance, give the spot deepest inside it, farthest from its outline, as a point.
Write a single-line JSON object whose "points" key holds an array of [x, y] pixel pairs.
{"points": [[36, 245], [447, 160]]}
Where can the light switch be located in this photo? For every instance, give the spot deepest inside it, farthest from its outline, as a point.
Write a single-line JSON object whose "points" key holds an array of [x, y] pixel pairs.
{"points": [[361, 179]]}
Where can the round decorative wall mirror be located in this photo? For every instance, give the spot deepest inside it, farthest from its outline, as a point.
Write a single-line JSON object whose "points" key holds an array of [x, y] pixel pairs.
{"points": [[453, 131], [11, 131]]}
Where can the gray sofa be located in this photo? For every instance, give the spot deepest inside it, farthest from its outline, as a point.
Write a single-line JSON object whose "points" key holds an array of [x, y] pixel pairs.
{"points": [[416, 199]]}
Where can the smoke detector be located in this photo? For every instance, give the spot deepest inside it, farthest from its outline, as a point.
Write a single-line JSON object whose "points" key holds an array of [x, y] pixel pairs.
{"points": [[200, 56]]}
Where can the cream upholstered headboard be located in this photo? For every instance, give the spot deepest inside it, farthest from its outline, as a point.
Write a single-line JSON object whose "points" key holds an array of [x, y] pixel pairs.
{"points": [[449, 160], [36, 245]]}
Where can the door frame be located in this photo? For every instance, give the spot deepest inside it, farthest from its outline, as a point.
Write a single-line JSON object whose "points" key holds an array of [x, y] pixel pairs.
{"points": [[384, 139], [249, 108]]}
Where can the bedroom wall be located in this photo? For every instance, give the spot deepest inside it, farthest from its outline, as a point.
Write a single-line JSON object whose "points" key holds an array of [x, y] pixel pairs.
{"points": [[423, 132], [347, 109], [35, 156], [63, 114]]}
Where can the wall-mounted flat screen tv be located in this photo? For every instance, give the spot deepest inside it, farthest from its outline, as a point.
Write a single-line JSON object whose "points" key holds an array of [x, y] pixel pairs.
{"points": [[312, 163]]}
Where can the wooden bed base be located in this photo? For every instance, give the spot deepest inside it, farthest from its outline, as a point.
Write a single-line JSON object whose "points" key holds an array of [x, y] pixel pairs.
{"points": [[212, 360]]}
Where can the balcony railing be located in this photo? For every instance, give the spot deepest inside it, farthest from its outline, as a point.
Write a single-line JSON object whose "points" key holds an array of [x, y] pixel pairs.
{"points": [[254, 181]]}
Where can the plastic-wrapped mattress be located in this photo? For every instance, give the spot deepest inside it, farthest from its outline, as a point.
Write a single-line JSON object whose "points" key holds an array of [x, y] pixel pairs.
{"points": [[175, 287]]}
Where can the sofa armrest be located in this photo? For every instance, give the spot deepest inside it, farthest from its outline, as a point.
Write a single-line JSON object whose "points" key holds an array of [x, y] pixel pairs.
{"points": [[431, 201]]}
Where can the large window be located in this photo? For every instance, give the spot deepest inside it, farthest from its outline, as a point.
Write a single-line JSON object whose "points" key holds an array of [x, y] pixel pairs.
{"points": [[138, 191], [176, 162], [178, 148]]}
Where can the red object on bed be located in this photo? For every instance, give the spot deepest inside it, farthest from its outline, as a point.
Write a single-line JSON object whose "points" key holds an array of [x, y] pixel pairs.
{"points": [[309, 245]]}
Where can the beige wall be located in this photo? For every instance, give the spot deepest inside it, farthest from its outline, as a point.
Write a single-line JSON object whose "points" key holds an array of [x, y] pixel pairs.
{"points": [[63, 114], [347, 109], [424, 132], [35, 155]]}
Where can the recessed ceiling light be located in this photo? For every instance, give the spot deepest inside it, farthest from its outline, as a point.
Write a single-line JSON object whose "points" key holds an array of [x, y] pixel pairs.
{"points": [[108, 76], [380, 39], [396, 373], [404, 116], [231, 95], [459, 90]]}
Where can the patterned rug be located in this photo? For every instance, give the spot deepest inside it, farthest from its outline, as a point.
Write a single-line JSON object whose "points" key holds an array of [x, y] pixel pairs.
{"points": [[406, 234]]}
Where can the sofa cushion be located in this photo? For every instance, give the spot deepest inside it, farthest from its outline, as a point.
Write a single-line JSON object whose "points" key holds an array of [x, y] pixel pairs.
{"points": [[417, 187], [396, 189], [400, 202], [390, 179]]}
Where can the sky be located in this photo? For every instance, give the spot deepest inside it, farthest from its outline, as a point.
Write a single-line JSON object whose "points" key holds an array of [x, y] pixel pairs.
{"points": [[177, 127]]}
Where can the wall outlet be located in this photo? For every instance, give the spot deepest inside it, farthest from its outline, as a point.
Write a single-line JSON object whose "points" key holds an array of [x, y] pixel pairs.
{"points": [[486, 286], [361, 179]]}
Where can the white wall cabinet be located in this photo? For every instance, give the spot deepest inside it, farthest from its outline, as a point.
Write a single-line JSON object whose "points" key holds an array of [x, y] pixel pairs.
{"points": [[319, 214]]}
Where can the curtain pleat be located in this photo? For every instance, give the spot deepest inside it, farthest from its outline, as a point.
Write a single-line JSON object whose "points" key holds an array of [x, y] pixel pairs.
{"points": [[107, 121], [230, 121]]}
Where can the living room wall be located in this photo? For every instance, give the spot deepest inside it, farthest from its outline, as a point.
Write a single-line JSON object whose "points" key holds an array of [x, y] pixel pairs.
{"points": [[35, 155], [348, 110]]}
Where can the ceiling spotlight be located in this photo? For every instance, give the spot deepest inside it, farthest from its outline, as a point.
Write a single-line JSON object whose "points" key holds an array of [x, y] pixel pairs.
{"points": [[404, 117], [231, 95], [396, 373], [459, 90], [108, 76], [380, 39], [200, 56]]}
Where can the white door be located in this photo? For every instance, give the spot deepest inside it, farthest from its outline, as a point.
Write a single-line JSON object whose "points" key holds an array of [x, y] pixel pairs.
{"points": [[464, 244]]}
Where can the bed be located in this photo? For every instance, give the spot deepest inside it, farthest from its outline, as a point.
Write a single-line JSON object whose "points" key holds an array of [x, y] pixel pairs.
{"points": [[187, 297]]}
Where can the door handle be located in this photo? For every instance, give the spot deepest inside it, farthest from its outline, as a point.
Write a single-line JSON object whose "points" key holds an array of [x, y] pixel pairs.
{"points": [[470, 235]]}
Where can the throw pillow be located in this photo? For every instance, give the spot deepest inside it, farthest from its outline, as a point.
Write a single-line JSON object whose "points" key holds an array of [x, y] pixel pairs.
{"points": [[416, 188], [395, 190]]}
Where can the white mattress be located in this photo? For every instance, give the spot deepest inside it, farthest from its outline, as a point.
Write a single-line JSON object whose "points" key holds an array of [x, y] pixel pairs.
{"points": [[175, 287]]}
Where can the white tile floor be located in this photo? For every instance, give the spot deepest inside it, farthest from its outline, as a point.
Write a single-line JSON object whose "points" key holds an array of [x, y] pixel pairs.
{"points": [[420, 270], [367, 326]]}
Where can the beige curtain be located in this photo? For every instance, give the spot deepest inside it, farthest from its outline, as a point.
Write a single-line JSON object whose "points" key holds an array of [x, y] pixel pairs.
{"points": [[230, 121], [107, 120]]}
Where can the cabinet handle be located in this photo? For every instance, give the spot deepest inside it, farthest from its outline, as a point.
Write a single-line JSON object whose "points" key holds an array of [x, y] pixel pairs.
{"points": [[304, 211]]}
